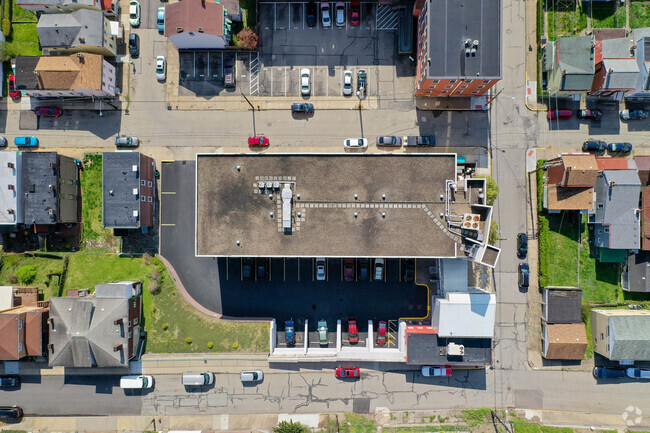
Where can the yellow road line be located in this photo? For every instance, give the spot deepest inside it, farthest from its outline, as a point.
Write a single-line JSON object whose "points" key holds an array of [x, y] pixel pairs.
{"points": [[168, 225], [168, 192]]}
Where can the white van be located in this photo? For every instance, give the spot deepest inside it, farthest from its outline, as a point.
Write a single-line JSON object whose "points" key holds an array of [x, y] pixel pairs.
{"points": [[251, 376], [198, 378], [379, 269], [136, 382]]}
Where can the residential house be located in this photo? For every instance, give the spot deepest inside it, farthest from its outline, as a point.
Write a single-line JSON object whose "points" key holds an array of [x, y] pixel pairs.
{"points": [[571, 181], [616, 215], [615, 163], [616, 70], [566, 341], [636, 277], [96, 331], [197, 24], [641, 48], [643, 164], [562, 305], [51, 193], [80, 75], [81, 31], [109, 7], [459, 47], [621, 335], [10, 191], [568, 65], [128, 190], [22, 323]]}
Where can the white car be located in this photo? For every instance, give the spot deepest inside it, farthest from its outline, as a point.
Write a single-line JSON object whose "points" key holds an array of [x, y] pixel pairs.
{"points": [[340, 13], [638, 373], [355, 143], [320, 269], [305, 81], [325, 14], [134, 13], [347, 83], [161, 68], [436, 371], [251, 376]]}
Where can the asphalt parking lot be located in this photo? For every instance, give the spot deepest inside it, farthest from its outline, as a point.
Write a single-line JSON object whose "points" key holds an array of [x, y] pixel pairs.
{"points": [[202, 72]]}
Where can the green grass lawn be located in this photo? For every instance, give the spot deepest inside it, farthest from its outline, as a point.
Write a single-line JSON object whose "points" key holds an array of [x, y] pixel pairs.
{"points": [[90, 267], [169, 321], [44, 266], [23, 41], [526, 427], [605, 15], [565, 22], [639, 15], [20, 15], [94, 232]]}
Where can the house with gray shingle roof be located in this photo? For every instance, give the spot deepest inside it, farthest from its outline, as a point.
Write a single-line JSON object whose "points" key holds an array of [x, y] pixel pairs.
{"points": [[616, 217], [569, 66], [621, 335], [617, 70], [83, 30]]}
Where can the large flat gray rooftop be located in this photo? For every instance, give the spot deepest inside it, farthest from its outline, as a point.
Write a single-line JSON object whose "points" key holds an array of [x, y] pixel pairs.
{"points": [[451, 23], [397, 205]]}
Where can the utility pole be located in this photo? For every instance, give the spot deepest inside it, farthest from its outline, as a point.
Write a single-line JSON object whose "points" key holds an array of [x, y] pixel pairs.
{"points": [[253, 109]]}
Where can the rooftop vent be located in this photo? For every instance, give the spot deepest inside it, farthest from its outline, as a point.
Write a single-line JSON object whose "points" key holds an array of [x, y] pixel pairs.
{"points": [[80, 55], [135, 191], [11, 211], [200, 29], [135, 213], [10, 165], [50, 211], [134, 168], [111, 192], [179, 29], [11, 187]]}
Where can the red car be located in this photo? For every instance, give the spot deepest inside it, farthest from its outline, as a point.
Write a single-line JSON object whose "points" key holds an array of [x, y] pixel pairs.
{"points": [[15, 94], [353, 332], [258, 141], [559, 114], [344, 372], [348, 270], [48, 111], [354, 13], [381, 333]]}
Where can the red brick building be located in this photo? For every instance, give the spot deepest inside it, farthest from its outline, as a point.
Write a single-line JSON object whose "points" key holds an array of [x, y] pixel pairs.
{"points": [[459, 47]]}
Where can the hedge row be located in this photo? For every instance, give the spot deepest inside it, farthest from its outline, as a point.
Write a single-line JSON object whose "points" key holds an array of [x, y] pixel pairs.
{"points": [[6, 19], [544, 251], [540, 186], [64, 272]]}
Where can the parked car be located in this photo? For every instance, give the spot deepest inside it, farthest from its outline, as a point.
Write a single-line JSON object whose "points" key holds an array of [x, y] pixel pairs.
{"points": [[355, 16], [229, 73], [345, 372], [348, 270], [422, 140], [160, 20], [326, 20], [590, 114], [161, 68], [311, 14], [389, 140], [634, 115], [559, 114], [134, 45], [409, 270], [612, 373], [134, 13], [339, 9], [355, 143], [302, 108], [322, 332], [261, 268], [9, 381], [3, 141], [305, 81], [347, 83], [247, 268], [379, 269], [364, 269], [619, 147], [353, 332], [259, 141], [382, 332], [26, 141], [13, 92], [48, 111], [439, 371], [522, 245], [251, 376], [524, 275], [594, 146], [136, 382], [361, 84], [638, 373], [289, 333], [10, 412], [126, 141], [321, 272]]}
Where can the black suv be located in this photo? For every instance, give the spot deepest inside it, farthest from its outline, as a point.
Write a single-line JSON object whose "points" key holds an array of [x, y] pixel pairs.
{"points": [[134, 45], [9, 412], [594, 145], [522, 245], [524, 275]]}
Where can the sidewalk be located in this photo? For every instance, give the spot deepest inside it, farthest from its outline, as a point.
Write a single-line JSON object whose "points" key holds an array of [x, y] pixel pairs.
{"points": [[532, 40]]}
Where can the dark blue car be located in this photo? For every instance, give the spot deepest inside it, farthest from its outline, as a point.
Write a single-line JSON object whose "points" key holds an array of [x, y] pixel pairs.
{"points": [[289, 333], [611, 373]]}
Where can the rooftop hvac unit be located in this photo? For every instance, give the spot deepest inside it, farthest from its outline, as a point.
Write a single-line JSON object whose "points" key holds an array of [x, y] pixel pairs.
{"points": [[50, 211], [454, 349], [261, 185], [11, 187], [10, 164], [11, 211], [135, 191], [471, 221], [276, 185], [134, 168]]}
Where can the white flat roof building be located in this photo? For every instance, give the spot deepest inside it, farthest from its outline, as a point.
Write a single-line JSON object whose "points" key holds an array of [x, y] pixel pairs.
{"points": [[477, 311], [10, 205]]}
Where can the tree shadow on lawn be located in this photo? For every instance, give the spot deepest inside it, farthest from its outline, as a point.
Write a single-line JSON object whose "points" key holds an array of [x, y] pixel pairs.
{"points": [[567, 224]]}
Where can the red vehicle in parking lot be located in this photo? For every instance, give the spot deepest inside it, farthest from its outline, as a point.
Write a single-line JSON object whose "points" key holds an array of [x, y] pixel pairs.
{"points": [[560, 114], [353, 332], [348, 270], [343, 372], [15, 94], [258, 141], [355, 16], [382, 333], [48, 111]]}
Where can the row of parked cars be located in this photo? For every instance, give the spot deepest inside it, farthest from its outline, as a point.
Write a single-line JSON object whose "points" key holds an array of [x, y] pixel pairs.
{"points": [[592, 145], [616, 373], [187, 379], [427, 371], [322, 329], [339, 13], [305, 86], [595, 114]]}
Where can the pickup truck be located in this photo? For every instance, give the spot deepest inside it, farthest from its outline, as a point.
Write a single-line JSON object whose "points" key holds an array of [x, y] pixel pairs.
{"points": [[426, 140]]}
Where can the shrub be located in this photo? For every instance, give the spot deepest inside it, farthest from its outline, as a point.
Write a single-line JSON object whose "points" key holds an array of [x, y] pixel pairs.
{"points": [[235, 345], [210, 344], [188, 340], [544, 251], [6, 26], [290, 427], [248, 39], [540, 185], [494, 235], [26, 274], [146, 257], [13, 279], [154, 282], [165, 326]]}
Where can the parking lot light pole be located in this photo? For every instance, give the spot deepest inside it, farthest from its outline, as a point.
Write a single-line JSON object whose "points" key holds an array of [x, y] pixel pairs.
{"points": [[253, 109]]}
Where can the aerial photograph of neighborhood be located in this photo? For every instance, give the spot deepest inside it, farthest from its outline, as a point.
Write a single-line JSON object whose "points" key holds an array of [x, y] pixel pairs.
{"points": [[306, 216]]}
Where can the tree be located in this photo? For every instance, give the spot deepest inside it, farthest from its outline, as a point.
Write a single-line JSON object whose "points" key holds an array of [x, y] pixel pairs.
{"points": [[494, 235], [290, 427], [492, 189], [26, 274], [248, 39]]}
